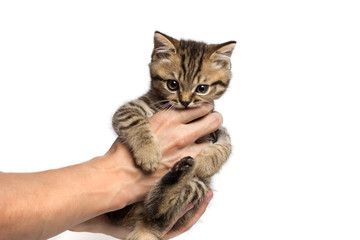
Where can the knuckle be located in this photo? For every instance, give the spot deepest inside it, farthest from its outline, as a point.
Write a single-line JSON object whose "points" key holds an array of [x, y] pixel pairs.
{"points": [[181, 140], [215, 120], [172, 117]]}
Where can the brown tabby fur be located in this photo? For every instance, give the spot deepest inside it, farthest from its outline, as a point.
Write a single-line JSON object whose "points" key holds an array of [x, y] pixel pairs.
{"points": [[201, 73]]}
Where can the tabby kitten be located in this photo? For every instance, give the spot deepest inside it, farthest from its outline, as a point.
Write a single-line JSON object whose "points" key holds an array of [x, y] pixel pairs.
{"points": [[184, 74]]}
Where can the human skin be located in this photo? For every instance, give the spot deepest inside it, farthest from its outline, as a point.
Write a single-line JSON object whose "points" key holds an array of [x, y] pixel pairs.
{"points": [[43, 204]]}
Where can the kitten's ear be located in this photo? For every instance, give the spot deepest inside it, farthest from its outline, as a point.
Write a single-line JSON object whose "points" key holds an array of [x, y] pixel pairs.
{"points": [[164, 46], [222, 53]]}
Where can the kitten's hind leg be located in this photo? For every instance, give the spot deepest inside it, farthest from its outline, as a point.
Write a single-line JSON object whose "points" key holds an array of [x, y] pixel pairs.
{"points": [[145, 231], [174, 192]]}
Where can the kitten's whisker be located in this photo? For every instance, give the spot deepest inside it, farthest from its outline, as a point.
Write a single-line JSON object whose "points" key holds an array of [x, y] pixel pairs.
{"points": [[168, 109], [171, 108], [161, 104], [164, 106]]}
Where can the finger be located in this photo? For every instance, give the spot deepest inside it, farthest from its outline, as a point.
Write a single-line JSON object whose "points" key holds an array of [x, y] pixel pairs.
{"points": [[190, 114], [101, 224], [195, 149], [194, 218], [169, 227], [204, 126]]}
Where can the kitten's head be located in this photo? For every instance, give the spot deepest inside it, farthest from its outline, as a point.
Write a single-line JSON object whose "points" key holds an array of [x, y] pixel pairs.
{"points": [[189, 73]]}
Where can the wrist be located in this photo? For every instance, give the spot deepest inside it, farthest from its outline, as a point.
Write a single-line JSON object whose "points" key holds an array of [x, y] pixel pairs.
{"points": [[104, 185], [116, 178]]}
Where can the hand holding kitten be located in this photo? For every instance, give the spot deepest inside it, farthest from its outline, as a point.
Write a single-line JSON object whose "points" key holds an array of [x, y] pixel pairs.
{"points": [[176, 132]]}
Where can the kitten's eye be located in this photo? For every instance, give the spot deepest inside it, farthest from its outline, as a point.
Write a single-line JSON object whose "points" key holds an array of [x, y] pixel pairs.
{"points": [[173, 85], [202, 88]]}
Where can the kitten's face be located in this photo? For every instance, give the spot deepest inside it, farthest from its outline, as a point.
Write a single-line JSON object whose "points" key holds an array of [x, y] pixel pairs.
{"points": [[189, 73]]}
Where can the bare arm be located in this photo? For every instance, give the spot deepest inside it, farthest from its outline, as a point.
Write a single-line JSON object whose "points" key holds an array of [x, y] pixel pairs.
{"points": [[42, 205]]}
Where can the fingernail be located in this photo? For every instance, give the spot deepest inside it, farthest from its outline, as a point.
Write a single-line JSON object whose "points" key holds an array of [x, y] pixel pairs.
{"points": [[208, 196]]}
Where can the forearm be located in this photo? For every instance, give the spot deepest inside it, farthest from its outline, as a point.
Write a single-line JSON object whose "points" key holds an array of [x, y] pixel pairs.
{"points": [[41, 205]]}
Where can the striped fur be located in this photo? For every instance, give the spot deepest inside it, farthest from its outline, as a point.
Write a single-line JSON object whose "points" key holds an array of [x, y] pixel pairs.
{"points": [[183, 74]]}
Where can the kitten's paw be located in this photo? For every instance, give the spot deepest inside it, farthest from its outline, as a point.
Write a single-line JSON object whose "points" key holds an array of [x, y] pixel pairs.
{"points": [[181, 168], [148, 157], [184, 165]]}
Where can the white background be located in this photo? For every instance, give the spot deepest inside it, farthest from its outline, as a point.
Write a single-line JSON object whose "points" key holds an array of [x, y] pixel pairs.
{"points": [[293, 107]]}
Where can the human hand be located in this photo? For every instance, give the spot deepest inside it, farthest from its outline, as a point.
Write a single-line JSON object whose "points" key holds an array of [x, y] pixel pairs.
{"points": [[176, 131], [101, 224]]}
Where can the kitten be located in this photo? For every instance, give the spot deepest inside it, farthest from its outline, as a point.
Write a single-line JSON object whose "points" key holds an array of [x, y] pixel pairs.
{"points": [[184, 74]]}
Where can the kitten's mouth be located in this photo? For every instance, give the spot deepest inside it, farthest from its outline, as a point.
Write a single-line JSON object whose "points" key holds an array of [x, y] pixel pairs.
{"points": [[178, 105]]}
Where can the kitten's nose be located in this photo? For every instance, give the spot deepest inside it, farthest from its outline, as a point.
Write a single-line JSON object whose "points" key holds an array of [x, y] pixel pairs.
{"points": [[185, 104]]}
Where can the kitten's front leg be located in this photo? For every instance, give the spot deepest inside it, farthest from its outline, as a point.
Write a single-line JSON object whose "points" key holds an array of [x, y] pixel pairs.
{"points": [[209, 161], [132, 126]]}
